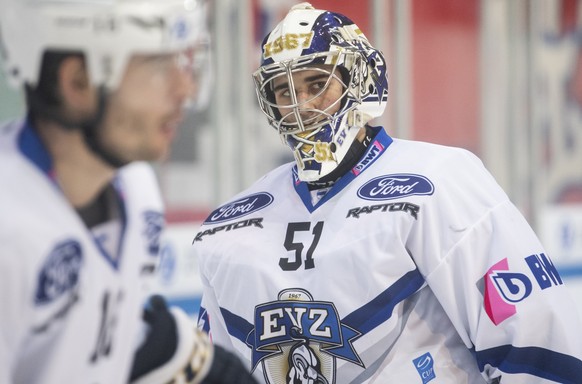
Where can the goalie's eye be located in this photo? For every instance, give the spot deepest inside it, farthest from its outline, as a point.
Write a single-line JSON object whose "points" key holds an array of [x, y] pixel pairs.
{"points": [[283, 94], [316, 87]]}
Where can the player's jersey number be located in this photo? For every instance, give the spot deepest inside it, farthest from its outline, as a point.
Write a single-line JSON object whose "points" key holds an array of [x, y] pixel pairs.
{"points": [[295, 262], [110, 307]]}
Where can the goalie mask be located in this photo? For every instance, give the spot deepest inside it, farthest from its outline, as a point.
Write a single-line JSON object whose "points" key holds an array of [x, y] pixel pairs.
{"points": [[319, 82]]}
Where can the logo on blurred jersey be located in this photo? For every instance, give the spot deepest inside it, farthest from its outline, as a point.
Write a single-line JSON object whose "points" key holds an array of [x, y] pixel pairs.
{"points": [[297, 339], [154, 224], [180, 29], [395, 186], [167, 264], [505, 289], [240, 207], [60, 272], [425, 367]]}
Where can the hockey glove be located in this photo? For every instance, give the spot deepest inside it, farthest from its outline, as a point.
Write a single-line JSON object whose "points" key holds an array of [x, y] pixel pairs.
{"points": [[175, 351], [226, 368]]}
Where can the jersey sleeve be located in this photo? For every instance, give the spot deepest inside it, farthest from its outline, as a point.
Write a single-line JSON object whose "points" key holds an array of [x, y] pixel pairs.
{"points": [[210, 318], [14, 294], [497, 284], [141, 184], [509, 303]]}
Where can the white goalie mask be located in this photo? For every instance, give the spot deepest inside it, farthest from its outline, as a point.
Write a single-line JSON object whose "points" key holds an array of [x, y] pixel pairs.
{"points": [[328, 54], [107, 32]]}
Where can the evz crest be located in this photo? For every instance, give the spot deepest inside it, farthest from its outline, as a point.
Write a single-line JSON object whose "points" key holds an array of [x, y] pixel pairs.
{"points": [[297, 340]]}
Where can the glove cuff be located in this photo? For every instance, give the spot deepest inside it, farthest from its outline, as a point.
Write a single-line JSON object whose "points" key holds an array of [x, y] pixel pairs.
{"points": [[191, 360]]}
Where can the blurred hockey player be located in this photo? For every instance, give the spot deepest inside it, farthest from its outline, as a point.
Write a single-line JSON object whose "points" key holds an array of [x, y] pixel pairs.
{"points": [[396, 261], [80, 211]]}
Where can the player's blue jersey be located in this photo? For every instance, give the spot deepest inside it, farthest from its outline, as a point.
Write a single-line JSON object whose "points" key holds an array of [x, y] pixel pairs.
{"points": [[69, 304], [413, 268]]}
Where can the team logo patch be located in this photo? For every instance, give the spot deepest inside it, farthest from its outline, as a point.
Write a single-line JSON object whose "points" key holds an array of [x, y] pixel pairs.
{"points": [[500, 282], [239, 208], [411, 209], [374, 152], [60, 272], [505, 289], [256, 222], [297, 339], [425, 367], [395, 186]]}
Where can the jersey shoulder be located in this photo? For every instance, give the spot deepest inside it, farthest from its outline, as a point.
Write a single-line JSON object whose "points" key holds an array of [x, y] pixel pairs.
{"points": [[432, 157], [10, 155], [276, 179], [450, 169], [140, 183], [26, 191]]}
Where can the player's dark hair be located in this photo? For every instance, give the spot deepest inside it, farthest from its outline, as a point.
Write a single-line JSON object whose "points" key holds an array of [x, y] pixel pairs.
{"points": [[46, 95], [44, 102]]}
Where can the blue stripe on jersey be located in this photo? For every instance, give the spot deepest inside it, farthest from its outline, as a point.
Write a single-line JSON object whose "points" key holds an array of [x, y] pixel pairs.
{"points": [[236, 325], [203, 319], [363, 320], [32, 148], [377, 311], [535, 361]]}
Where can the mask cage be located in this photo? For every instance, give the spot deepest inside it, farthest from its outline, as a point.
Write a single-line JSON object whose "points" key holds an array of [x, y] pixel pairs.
{"points": [[348, 66]]}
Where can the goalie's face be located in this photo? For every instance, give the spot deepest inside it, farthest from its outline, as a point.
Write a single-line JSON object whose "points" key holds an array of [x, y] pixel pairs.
{"points": [[309, 100], [308, 96]]}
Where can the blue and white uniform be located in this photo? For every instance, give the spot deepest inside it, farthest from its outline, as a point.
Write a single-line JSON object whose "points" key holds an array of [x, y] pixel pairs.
{"points": [[414, 267], [70, 304]]}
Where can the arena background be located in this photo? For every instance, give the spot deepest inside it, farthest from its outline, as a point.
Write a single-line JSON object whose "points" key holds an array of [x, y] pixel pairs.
{"points": [[500, 78]]}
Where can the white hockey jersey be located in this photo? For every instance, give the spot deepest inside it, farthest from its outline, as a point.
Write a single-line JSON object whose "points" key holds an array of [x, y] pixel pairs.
{"points": [[413, 268], [69, 310]]}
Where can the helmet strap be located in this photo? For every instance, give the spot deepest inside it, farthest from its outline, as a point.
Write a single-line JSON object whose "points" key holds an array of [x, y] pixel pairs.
{"points": [[89, 127]]}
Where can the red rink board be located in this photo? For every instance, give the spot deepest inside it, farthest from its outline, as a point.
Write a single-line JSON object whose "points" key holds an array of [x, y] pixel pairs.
{"points": [[445, 66]]}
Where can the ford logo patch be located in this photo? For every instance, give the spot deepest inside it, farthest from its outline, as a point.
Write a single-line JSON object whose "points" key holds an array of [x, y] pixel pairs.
{"points": [[241, 207], [60, 272], [395, 186]]}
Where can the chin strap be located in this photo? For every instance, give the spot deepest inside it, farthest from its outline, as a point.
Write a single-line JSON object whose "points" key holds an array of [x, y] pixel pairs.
{"points": [[90, 131]]}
